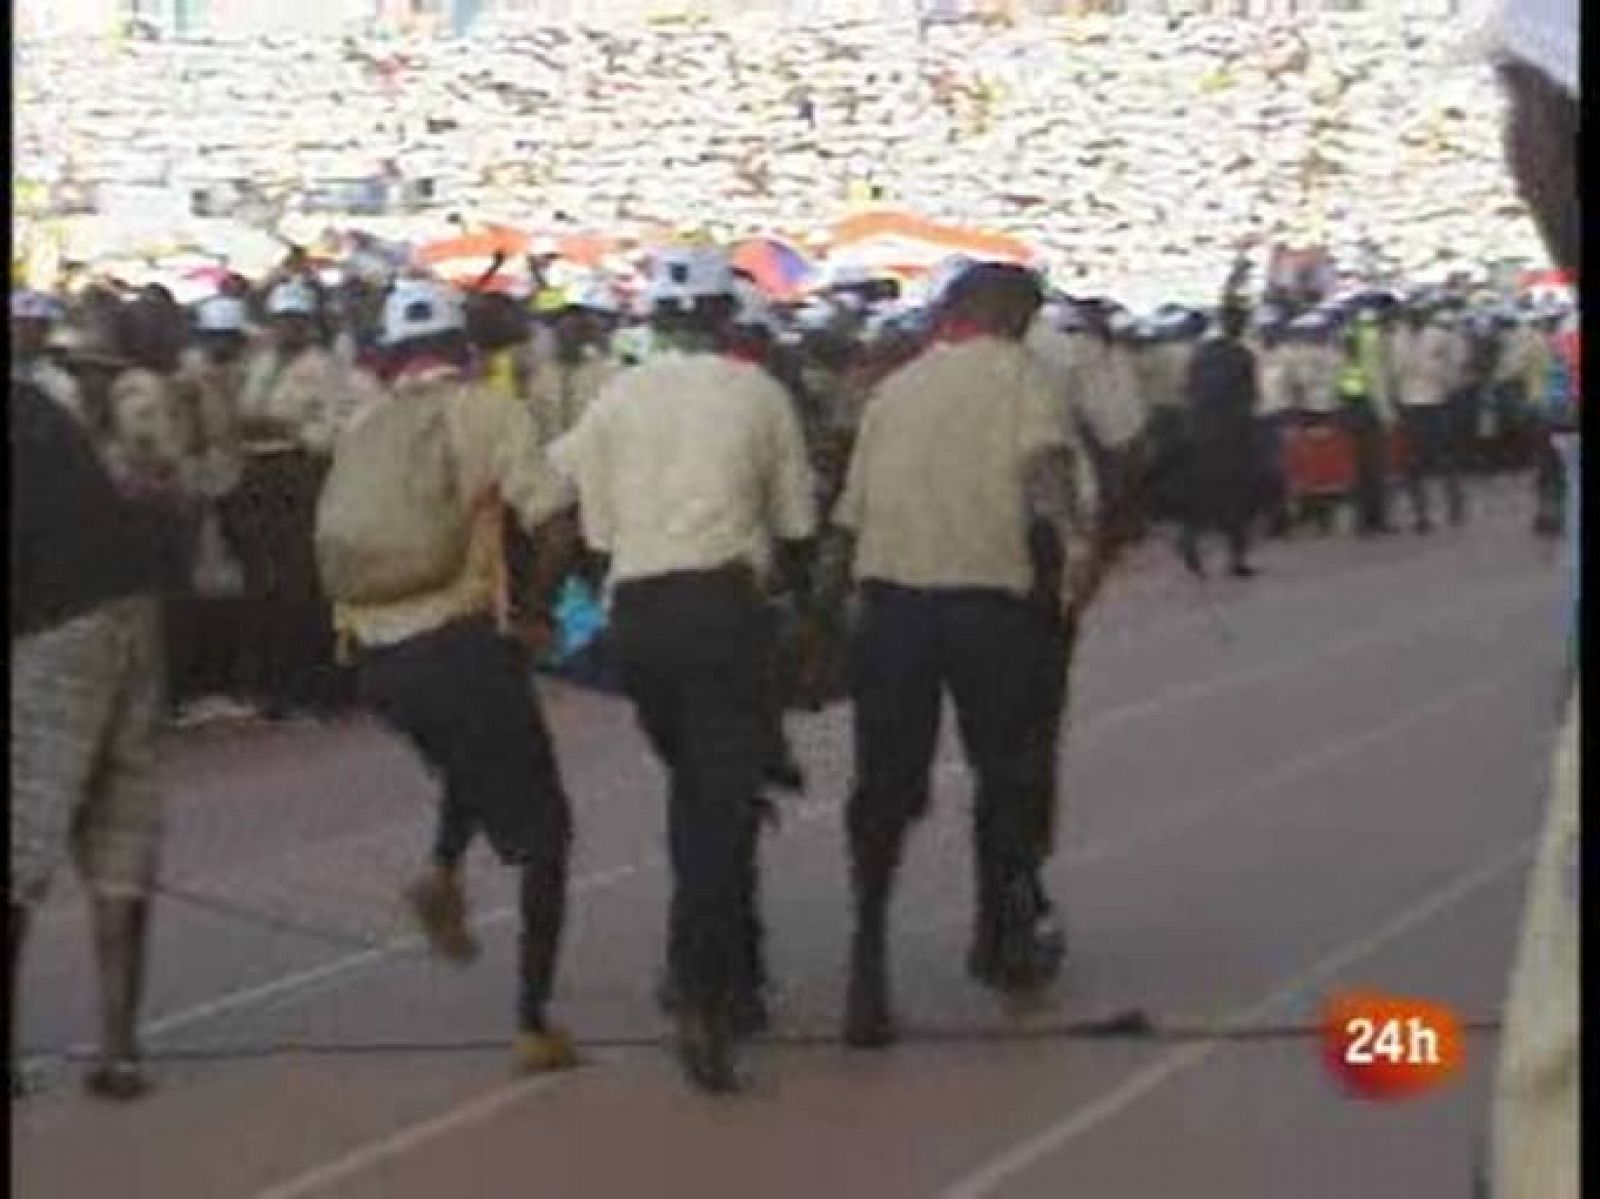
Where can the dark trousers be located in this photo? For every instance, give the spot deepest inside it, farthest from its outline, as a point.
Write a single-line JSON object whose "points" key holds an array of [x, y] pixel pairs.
{"points": [[991, 652], [1371, 461], [202, 635], [1549, 485], [1048, 675], [695, 651], [286, 624], [1433, 437], [1271, 432], [463, 695]]}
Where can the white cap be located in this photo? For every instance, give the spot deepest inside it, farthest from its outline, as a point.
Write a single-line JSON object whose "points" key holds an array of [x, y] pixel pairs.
{"points": [[682, 276], [220, 314], [33, 306], [1540, 33], [291, 298], [596, 297], [421, 308]]}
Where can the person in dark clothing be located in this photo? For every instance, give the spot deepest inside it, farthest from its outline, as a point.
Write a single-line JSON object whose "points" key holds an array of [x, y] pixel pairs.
{"points": [[949, 596], [86, 702], [1224, 477], [687, 548], [439, 665]]}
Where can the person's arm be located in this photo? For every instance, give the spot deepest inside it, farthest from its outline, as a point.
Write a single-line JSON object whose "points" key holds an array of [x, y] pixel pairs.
{"points": [[523, 478], [1053, 497], [791, 498]]}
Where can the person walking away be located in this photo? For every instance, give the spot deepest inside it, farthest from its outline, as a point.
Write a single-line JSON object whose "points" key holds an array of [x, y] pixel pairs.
{"points": [[294, 399], [948, 589], [1222, 468], [1163, 375], [408, 543], [1092, 370], [1430, 366], [691, 473], [750, 338], [87, 665], [566, 382]]}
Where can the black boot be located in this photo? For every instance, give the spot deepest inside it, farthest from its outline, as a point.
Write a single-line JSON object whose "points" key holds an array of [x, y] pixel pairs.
{"points": [[1033, 943], [706, 1047], [121, 928], [868, 1021], [1189, 553]]}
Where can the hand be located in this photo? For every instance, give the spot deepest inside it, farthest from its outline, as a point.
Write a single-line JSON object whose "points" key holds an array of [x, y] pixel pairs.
{"points": [[1082, 584], [537, 631]]}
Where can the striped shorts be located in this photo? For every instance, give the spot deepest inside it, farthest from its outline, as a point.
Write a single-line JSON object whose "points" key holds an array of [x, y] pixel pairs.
{"points": [[86, 711]]}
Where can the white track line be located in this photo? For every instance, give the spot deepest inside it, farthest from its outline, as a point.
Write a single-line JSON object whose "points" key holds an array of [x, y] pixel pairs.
{"points": [[407, 1139], [988, 1178], [1025, 1154], [341, 967]]}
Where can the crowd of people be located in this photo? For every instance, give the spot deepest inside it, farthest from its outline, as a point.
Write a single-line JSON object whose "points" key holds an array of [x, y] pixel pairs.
{"points": [[308, 468], [1131, 151], [234, 405], [306, 496]]}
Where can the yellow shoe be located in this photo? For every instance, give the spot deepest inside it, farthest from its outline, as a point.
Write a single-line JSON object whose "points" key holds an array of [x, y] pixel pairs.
{"points": [[552, 1049], [440, 906]]}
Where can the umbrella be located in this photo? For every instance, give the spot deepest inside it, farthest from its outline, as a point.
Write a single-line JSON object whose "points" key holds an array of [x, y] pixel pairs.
{"points": [[905, 245], [468, 256], [779, 270]]}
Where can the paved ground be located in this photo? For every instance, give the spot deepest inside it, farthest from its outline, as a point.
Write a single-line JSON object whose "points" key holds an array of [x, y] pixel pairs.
{"points": [[1329, 776]]}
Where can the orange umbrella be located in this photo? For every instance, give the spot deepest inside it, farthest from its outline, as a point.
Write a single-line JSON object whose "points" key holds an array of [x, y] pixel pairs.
{"points": [[483, 244]]}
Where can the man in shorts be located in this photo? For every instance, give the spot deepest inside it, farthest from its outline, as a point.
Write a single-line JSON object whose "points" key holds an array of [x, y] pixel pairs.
{"points": [[87, 706]]}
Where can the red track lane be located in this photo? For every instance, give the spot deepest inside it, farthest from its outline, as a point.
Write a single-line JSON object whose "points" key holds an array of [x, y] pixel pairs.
{"points": [[1336, 786]]}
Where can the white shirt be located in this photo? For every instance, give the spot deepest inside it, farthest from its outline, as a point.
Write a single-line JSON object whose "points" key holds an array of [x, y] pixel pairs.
{"points": [[1096, 380], [689, 462], [1429, 362], [1276, 371], [936, 493]]}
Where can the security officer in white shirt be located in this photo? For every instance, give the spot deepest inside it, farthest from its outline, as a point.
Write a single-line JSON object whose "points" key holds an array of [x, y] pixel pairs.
{"points": [[957, 450], [1431, 362], [692, 477]]}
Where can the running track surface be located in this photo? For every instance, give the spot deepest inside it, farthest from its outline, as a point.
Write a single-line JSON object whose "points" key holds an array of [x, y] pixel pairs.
{"points": [[1326, 777]]}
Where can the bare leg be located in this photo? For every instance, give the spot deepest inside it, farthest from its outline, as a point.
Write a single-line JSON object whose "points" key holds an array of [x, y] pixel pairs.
{"points": [[121, 928]]}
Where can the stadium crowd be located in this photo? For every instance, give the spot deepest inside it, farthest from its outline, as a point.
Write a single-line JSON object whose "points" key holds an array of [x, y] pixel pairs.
{"points": [[1134, 152]]}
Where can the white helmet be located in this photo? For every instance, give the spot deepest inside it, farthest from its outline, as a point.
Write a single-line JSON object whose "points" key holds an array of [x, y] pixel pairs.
{"points": [[220, 314], [596, 297], [421, 308], [679, 277], [291, 298]]}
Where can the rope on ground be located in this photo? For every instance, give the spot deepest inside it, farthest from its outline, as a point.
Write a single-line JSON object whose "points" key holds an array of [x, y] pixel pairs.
{"points": [[1130, 1025]]}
